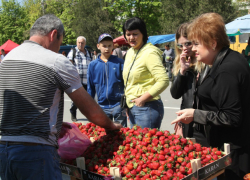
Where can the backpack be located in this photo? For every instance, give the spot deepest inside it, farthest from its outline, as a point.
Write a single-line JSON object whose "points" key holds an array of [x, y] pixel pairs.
{"points": [[74, 55]]}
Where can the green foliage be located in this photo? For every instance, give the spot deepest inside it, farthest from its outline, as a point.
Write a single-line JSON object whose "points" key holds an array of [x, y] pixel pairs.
{"points": [[13, 21], [91, 18], [243, 6], [223, 7], [91, 21], [63, 9], [33, 9], [176, 12], [148, 10]]}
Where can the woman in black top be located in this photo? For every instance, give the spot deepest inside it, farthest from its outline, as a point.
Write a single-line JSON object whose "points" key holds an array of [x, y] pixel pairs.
{"points": [[223, 95], [185, 76]]}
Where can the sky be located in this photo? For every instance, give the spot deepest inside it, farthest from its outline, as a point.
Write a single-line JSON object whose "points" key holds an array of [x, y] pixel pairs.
{"points": [[20, 2]]}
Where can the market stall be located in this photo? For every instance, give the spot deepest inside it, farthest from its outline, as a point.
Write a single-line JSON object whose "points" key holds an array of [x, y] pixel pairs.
{"points": [[144, 153], [8, 46]]}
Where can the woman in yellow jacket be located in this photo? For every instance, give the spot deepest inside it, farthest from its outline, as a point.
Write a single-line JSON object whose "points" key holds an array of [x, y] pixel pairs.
{"points": [[144, 76]]}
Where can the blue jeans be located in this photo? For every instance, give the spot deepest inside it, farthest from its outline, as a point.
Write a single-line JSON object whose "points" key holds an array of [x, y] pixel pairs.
{"points": [[118, 114], [19, 162], [150, 115]]}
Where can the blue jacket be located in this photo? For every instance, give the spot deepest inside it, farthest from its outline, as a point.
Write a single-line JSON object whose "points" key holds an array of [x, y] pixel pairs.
{"points": [[105, 79]]}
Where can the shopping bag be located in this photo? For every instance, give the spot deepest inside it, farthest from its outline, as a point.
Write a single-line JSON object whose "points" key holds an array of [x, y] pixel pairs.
{"points": [[72, 143]]}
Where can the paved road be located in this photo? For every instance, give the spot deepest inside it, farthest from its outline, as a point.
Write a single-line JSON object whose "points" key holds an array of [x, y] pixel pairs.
{"points": [[170, 106]]}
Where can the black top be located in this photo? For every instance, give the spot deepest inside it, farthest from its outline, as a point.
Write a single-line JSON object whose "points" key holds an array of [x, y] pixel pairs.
{"points": [[184, 86], [224, 100]]}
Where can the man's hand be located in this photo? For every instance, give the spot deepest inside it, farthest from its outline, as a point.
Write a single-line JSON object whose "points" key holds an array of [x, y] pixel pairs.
{"points": [[64, 129], [91, 110], [66, 125], [116, 127]]}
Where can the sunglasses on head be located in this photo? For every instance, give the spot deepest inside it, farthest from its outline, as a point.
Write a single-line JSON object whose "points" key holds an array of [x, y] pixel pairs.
{"points": [[186, 44]]}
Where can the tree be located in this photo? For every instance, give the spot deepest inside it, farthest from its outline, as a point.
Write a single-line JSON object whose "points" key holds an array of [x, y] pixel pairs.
{"points": [[13, 21], [223, 7], [176, 12], [34, 10], [92, 21], [243, 7], [63, 9], [148, 10]]}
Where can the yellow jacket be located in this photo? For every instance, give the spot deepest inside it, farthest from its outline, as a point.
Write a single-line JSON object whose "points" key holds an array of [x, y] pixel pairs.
{"points": [[146, 75]]}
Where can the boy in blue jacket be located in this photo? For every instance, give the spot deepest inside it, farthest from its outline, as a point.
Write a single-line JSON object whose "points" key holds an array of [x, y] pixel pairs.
{"points": [[105, 79]]}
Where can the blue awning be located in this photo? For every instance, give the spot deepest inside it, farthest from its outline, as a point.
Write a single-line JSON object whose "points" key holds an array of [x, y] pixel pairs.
{"points": [[159, 39]]}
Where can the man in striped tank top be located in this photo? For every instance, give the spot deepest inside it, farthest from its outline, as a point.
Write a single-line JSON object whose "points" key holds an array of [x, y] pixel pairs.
{"points": [[33, 80]]}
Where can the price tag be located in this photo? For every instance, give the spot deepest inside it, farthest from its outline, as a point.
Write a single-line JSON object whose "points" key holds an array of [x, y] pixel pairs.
{"points": [[89, 175], [70, 170]]}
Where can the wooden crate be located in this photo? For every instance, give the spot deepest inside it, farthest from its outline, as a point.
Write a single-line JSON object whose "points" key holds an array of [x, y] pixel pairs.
{"points": [[207, 172]]}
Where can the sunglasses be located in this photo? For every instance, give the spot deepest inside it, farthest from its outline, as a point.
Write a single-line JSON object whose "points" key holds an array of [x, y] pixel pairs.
{"points": [[186, 44]]}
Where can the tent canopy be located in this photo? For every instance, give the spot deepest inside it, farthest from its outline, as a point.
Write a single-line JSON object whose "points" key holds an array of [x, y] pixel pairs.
{"points": [[239, 26], [121, 41], [159, 39], [8, 46]]}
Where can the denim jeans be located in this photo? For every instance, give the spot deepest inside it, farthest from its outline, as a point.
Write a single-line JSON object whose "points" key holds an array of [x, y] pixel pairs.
{"points": [[150, 115], [19, 162], [118, 114]]}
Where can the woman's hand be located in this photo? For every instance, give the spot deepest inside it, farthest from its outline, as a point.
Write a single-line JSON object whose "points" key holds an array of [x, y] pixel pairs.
{"points": [[139, 102], [185, 116], [184, 62]]}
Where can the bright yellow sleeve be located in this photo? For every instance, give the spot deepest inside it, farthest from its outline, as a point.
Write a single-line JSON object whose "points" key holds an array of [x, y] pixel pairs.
{"points": [[156, 68]]}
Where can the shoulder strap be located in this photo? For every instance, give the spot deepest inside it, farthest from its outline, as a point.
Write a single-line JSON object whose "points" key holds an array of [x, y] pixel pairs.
{"points": [[74, 55], [90, 54], [132, 66]]}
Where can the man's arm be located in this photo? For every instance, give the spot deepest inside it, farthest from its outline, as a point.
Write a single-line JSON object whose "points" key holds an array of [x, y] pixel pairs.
{"points": [[92, 110]]}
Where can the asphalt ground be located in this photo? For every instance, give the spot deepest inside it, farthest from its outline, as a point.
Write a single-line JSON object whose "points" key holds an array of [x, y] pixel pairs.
{"points": [[170, 107]]}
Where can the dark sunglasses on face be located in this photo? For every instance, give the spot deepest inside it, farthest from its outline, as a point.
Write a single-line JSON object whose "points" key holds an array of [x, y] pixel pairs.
{"points": [[186, 44]]}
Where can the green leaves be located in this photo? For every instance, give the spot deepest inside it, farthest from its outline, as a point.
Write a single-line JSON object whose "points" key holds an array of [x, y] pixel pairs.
{"points": [[13, 20], [148, 10], [176, 12], [91, 18]]}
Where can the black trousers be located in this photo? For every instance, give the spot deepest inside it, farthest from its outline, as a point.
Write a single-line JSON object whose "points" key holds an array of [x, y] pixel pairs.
{"points": [[73, 106], [169, 65]]}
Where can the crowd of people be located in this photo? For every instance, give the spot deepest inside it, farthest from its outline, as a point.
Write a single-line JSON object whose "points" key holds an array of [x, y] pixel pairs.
{"points": [[212, 80]]}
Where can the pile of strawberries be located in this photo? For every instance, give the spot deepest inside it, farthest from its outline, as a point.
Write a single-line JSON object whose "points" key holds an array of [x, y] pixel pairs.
{"points": [[91, 130], [144, 153]]}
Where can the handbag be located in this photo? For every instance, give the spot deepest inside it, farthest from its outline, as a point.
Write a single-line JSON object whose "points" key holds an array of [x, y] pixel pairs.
{"points": [[123, 103]]}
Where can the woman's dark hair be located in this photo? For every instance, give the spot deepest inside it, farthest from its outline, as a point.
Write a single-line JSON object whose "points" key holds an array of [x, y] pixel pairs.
{"points": [[133, 24], [248, 42]]}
